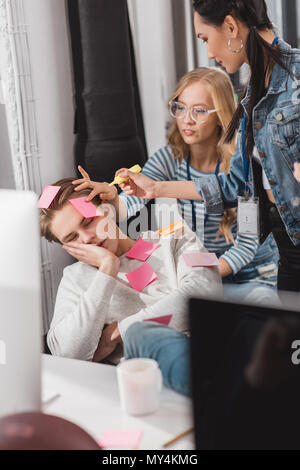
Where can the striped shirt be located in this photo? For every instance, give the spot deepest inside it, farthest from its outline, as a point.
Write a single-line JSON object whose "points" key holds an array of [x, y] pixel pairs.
{"points": [[162, 166]]}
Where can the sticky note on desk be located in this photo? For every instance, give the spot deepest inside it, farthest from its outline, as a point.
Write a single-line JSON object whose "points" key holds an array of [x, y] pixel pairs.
{"points": [[205, 260], [47, 197], [121, 439], [164, 320], [141, 277], [142, 250], [86, 208]]}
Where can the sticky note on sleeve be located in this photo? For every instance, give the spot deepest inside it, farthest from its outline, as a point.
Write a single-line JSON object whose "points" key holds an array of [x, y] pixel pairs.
{"points": [[141, 277], [164, 320], [121, 439], [204, 260], [86, 208], [142, 250], [48, 196]]}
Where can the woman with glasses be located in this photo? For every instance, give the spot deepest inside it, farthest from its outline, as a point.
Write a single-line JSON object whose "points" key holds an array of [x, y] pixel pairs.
{"points": [[202, 107]]}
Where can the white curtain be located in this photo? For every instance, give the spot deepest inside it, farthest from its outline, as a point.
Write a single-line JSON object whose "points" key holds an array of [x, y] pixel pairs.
{"points": [[28, 134]]}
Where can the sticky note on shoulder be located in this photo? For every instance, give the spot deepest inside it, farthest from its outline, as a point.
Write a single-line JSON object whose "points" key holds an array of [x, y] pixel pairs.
{"points": [[197, 259], [164, 232], [142, 250], [86, 208], [48, 196]]}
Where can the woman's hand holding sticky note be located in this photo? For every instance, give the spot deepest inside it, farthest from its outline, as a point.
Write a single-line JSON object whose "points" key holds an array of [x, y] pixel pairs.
{"points": [[118, 180]]}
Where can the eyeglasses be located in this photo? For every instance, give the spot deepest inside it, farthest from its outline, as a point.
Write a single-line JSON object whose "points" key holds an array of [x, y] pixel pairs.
{"points": [[197, 113]]}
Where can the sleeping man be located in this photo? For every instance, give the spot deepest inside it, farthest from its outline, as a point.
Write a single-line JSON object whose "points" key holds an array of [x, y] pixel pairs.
{"points": [[96, 302]]}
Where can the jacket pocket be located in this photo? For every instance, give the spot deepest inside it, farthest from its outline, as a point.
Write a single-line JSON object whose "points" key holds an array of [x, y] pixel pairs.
{"points": [[284, 125]]}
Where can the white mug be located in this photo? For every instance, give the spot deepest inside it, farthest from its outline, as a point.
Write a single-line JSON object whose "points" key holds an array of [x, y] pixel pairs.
{"points": [[140, 383]]}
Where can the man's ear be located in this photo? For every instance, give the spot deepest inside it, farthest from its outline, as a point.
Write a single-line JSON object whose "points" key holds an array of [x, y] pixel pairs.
{"points": [[231, 26]]}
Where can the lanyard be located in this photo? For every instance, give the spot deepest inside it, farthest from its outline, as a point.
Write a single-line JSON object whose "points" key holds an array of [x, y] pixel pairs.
{"points": [[246, 161], [194, 221]]}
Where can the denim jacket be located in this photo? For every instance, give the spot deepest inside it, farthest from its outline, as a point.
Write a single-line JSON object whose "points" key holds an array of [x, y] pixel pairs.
{"points": [[276, 126]]}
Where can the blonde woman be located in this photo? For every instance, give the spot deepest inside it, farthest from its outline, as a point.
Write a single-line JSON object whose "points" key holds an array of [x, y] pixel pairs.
{"points": [[202, 107]]}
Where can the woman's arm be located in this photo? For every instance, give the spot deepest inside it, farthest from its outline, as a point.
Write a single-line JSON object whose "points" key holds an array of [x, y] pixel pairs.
{"points": [[147, 188], [239, 255]]}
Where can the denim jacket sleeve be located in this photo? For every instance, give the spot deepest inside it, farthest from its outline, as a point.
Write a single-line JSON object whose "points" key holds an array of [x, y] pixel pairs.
{"points": [[220, 192]]}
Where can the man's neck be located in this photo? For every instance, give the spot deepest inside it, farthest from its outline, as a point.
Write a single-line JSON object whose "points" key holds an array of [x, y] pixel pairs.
{"points": [[125, 243]]}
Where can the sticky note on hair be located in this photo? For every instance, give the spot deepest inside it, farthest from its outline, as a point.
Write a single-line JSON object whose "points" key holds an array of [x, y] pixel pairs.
{"points": [[142, 250], [205, 260], [86, 208], [48, 196], [121, 439], [141, 277], [164, 320], [163, 232]]}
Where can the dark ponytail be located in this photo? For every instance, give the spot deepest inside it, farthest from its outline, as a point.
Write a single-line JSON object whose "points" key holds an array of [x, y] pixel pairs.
{"points": [[254, 14]]}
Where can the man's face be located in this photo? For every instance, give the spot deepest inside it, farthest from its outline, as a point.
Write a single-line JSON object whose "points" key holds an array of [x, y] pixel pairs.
{"points": [[69, 225]]}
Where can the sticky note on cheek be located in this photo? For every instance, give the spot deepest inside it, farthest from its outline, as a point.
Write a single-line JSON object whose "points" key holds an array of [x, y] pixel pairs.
{"points": [[205, 260], [142, 250], [86, 208], [141, 277], [48, 196]]}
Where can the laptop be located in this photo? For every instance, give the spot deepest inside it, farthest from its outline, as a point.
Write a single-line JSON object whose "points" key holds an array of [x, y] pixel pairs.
{"points": [[20, 303], [215, 325]]}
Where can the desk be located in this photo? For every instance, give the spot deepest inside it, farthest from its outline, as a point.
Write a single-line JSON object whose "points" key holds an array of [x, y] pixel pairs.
{"points": [[89, 397]]}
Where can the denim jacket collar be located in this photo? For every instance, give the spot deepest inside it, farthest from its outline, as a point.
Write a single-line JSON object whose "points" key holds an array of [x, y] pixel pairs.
{"points": [[279, 75]]}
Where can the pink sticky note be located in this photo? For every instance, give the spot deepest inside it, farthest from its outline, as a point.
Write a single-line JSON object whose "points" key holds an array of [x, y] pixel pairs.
{"points": [[165, 320], [141, 277], [201, 259], [122, 439], [86, 208], [47, 197], [142, 250]]}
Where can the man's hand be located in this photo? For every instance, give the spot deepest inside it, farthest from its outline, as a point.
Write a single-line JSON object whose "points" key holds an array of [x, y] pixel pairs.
{"points": [[96, 256], [106, 345], [138, 185], [105, 192]]}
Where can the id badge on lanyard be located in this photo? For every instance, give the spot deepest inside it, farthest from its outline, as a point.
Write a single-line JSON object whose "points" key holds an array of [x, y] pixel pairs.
{"points": [[248, 216]]}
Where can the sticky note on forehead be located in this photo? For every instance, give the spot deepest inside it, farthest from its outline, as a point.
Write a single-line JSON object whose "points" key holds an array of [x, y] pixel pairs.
{"points": [[48, 196], [86, 208]]}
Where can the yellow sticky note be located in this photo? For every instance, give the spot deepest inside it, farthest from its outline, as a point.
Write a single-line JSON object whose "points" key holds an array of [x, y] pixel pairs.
{"points": [[118, 180], [163, 232]]}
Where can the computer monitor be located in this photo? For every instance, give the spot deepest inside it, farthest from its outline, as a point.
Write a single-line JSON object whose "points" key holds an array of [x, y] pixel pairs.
{"points": [[218, 330], [20, 303]]}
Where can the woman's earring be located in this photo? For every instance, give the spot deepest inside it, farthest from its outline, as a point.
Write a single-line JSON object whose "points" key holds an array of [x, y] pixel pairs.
{"points": [[236, 51]]}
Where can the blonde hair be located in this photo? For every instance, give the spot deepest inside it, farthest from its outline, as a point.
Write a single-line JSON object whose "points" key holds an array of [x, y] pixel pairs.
{"points": [[66, 192], [222, 95]]}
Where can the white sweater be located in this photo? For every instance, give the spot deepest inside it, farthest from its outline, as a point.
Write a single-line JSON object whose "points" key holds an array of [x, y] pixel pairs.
{"points": [[88, 299]]}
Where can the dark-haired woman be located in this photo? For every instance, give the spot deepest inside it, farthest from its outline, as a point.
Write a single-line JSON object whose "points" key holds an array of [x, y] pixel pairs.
{"points": [[268, 124]]}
